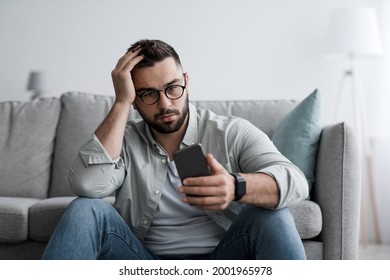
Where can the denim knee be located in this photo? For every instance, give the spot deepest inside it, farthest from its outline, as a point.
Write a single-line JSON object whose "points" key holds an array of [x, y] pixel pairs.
{"points": [[87, 211], [88, 203], [273, 231], [252, 217], [85, 206]]}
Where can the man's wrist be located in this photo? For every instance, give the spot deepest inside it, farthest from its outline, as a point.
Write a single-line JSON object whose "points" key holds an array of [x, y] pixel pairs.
{"points": [[239, 186]]}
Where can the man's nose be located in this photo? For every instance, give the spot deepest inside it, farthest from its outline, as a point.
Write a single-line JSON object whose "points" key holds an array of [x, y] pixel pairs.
{"points": [[164, 101]]}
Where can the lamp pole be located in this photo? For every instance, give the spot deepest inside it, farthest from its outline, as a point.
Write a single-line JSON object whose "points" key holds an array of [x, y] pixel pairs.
{"points": [[354, 31], [360, 124]]}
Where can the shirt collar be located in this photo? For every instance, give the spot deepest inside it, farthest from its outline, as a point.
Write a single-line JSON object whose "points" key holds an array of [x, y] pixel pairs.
{"points": [[191, 135]]}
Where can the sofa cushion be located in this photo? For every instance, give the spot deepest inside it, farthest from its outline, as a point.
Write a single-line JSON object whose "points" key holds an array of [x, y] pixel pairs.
{"points": [[27, 133], [80, 116], [308, 218], [45, 215], [14, 218], [260, 113], [298, 134]]}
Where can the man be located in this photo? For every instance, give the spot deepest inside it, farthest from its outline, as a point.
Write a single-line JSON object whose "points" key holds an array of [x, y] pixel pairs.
{"points": [[238, 212]]}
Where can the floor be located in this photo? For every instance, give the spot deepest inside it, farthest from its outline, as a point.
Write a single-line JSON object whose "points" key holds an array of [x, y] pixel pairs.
{"points": [[374, 252]]}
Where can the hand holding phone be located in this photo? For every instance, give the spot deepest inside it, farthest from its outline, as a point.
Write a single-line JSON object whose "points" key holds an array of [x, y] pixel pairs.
{"points": [[211, 193]]}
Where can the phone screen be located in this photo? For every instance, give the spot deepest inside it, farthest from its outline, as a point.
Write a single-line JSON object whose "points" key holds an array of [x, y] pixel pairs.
{"points": [[191, 162]]}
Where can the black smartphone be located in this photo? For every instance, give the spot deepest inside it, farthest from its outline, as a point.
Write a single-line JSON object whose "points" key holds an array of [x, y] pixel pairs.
{"points": [[191, 162]]}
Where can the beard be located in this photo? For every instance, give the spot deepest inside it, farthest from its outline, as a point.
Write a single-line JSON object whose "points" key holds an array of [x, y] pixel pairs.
{"points": [[168, 127]]}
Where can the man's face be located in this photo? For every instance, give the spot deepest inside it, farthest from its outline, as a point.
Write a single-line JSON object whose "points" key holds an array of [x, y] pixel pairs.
{"points": [[165, 116]]}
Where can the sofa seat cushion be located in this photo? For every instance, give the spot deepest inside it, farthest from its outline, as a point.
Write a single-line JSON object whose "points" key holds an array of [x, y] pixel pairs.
{"points": [[45, 215], [308, 218], [14, 218]]}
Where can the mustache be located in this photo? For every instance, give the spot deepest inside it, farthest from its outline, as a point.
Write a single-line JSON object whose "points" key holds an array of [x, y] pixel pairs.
{"points": [[166, 112]]}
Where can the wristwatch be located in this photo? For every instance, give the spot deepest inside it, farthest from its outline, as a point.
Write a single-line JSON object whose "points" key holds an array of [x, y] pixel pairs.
{"points": [[240, 184]]}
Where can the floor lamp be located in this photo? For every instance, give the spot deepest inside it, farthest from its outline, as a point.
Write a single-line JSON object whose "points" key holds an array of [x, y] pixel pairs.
{"points": [[353, 31]]}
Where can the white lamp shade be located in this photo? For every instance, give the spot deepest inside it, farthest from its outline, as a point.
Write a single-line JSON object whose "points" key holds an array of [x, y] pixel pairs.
{"points": [[354, 31], [36, 81]]}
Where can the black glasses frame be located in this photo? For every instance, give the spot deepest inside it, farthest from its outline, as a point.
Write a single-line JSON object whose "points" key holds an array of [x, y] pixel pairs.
{"points": [[141, 95]]}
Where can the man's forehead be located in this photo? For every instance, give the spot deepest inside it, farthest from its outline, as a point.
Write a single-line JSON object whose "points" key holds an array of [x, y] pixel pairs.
{"points": [[158, 75]]}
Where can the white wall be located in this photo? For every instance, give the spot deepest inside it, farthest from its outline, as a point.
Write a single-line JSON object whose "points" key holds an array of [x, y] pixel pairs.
{"points": [[232, 49], [242, 49]]}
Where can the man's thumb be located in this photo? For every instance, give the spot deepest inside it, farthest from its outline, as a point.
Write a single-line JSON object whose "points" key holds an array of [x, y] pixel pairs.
{"points": [[215, 166]]}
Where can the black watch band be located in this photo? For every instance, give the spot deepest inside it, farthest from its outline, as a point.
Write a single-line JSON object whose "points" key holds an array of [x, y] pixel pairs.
{"points": [[240, 186]]}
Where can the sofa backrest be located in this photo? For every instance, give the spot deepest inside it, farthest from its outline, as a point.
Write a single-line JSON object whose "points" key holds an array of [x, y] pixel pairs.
{"points": [[27, 133], [82, 113], [264, 114]]}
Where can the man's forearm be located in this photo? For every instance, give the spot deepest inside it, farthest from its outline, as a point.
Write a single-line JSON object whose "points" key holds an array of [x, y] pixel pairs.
{"points": [[111, 131], [261, 190], [278, 187]]}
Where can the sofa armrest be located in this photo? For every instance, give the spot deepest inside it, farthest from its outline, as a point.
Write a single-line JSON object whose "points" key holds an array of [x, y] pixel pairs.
{"points": [[337, 191]]}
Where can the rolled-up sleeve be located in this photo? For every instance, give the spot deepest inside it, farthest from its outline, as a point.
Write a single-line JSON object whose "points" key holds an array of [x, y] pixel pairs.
{"points": [[93, 173], [259, 155], [292, 183]]}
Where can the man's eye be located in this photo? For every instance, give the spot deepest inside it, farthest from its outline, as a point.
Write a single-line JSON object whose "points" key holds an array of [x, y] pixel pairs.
{"points": [[172, 89], [149, 94]]}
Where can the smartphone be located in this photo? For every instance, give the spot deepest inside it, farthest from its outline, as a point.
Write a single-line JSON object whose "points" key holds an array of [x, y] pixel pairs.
{"points": [[191, 162]]}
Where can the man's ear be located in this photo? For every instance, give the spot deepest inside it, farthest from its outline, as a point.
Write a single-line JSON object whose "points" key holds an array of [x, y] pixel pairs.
{"points": [[187, 77]]}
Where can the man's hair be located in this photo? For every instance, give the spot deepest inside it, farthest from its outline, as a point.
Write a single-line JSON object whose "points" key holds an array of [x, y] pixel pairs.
{"points": [[154, 51]]}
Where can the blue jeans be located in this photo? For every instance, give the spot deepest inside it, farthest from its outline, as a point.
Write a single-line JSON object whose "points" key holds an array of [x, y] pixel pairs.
{"points": [[93, 229]]}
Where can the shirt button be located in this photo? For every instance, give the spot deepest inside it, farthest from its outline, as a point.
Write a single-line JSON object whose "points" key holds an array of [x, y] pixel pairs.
{"points": [[157, 192], [164, 161], [145, 222]]}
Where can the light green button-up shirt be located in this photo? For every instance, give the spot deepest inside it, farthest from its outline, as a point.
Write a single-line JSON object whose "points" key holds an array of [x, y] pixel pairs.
{"points": [[140, 174]]}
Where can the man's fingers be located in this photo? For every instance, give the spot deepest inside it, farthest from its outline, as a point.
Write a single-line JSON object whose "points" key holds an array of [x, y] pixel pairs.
{"points": [[125, 66], [132, 63], [202, 191], [130, 59], [207, 202], [213, 192]]}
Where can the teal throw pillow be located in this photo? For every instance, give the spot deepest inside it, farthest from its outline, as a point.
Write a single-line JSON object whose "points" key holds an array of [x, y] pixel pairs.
{"points": [[297, 136]]}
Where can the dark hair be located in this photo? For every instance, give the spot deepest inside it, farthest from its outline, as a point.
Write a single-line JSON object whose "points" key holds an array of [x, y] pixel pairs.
{"points": [[154, 51]]}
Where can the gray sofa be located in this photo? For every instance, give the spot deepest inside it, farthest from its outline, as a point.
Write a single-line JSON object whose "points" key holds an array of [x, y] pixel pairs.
{"points": [[39, 139]]}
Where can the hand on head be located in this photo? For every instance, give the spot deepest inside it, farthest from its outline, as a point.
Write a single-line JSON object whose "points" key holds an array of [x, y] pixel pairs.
{"points": [[121, 76]]}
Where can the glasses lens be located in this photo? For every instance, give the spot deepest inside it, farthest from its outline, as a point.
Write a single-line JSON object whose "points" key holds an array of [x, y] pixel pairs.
{"points": [[150, 97], [174, 92]]}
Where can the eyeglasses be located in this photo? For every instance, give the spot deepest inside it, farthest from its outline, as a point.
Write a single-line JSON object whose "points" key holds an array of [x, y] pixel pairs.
{"points": [[172, 92]]}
